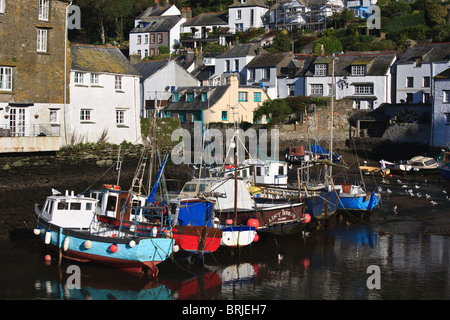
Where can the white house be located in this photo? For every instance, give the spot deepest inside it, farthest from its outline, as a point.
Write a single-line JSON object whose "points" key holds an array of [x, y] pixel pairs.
{"points": [[246, 14], [206, 27], [159, 79], [234, 60], [104, 96], [264, 69], [364, 78], [158, 10], [440, 129], [416, 69], [287, 14], [291, 80]]}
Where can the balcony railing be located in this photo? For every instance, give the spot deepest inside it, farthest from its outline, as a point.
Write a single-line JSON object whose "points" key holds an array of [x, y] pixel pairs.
{"points": [[30, 130]]}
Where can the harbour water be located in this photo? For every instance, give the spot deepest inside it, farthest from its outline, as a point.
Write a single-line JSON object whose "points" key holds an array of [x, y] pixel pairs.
{"points": [[337, 263]]}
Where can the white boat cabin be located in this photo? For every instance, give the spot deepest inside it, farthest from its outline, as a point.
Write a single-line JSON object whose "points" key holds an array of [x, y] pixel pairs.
{"points": [[69, 211], [111, 201], [262, 172], [222, 189]]}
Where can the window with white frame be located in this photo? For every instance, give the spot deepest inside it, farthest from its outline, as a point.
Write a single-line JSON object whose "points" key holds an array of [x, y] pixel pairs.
{"points": [[447, 118], [358, 70], [446, 97], [44, 6], [409, 82], [53, 116], [146, 39], [426, 82], [95, 79], [266, 73], [6, 78], [227, 65], [42, 35], [317, 89], [85, 115], [239, 15], [139, 39], [364, 88], [118, 82], [120, 116], [79, 78], [320, 69], [2, 6], [251, 74], [160, 38]]}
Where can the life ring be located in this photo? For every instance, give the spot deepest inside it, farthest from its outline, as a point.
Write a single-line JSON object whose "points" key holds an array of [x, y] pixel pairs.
{"points": [[112, 187]]}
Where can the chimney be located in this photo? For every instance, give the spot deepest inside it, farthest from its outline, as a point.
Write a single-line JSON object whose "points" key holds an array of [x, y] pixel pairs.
{"points": [[166, 3], [186, 13]]}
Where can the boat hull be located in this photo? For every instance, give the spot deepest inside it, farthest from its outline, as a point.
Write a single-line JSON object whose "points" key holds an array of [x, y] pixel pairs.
{"points": [[238, 236], [196, 239], [357, 202], [444, 171], [71, 244]]}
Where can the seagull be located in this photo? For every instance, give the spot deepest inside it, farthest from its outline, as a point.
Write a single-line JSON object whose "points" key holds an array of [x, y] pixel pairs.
{"points": [[404, 186], [395, 210], [419, 195], [398, 181], [444, 191], [417, 187], [428, 196], [383, 181], [55, 192], [388, 191], [433, 203], [379, 189]]}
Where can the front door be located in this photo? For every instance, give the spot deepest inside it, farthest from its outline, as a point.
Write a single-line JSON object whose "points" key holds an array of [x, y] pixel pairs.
{"points": [[17, 122]]}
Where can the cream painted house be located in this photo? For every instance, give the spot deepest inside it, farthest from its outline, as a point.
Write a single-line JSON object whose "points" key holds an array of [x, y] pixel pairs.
{"points": [[227, 104]]}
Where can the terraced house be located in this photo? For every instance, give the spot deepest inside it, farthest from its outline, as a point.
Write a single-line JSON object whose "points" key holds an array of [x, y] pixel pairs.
{"points": [[33, 101]]}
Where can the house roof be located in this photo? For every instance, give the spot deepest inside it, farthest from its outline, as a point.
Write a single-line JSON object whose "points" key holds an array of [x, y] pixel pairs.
{"points": [[203, 73], [154, 11], [378, 64], [242, 50], [149, 68], [249, 3], [214, 94], [157, 24], [298, 66], [269, 60], [208, 19], [101, 59], [443, 75], [428, 52]]}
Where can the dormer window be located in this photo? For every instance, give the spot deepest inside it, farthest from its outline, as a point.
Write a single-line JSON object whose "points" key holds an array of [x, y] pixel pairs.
{"points": [[189, 97], [358, 70], [418, 62], [175, 97], [204, 97], [320, 69]]}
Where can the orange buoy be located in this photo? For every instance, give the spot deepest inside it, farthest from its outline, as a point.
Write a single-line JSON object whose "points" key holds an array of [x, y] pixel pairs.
{"points": [[307, 218], [47, 258], [256, 238], [113, 248], [112, 187], [253, 222]]}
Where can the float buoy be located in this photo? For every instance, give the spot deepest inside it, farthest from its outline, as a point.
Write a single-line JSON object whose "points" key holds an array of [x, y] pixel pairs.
{"points": [[132, 243], [88, 244], [307, 218], [229, 221], [253, 222], [66, 243], [256, 238], [113, 248]]}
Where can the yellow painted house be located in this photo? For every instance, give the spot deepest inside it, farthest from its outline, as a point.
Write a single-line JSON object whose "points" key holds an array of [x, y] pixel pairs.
{"points": [[227, 104]]}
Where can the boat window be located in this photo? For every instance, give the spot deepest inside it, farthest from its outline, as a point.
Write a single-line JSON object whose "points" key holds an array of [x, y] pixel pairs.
{"points": [[244, 173], [429, 162], [75, 206], [190, 187], [280, 170], [202, 187], [417, 164], [62, 205], [111, 204], [50, 209], [258, 171], [88, 206]]}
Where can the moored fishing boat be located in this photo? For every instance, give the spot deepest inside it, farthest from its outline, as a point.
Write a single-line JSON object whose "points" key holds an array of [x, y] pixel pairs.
{"points": [[354, 197], [68, 225]]}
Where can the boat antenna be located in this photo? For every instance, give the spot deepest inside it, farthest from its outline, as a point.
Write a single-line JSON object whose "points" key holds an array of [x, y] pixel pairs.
{"points": [[118, 165]]}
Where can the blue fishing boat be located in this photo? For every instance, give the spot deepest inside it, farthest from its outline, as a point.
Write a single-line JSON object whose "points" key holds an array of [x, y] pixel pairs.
{"points": [[68, 225], [444, 170], [353, 197]]}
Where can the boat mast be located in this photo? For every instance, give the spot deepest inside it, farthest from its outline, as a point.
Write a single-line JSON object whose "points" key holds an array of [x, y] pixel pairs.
{"points": [[332, 120]]}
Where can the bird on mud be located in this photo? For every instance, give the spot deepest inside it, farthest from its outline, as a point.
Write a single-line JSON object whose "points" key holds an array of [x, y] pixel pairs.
{"points": [[427, 195], [433, 203]]}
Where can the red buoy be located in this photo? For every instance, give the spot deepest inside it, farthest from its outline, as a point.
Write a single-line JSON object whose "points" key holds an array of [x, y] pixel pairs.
{"points": [[113, 248], [256, 238], [48, 258], [253, 222], [229, 221], [307, 218]]}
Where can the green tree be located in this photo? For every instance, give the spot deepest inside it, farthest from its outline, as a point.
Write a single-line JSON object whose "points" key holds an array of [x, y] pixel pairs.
{"points": [[330, 45], [281, 42], [435, 14]]}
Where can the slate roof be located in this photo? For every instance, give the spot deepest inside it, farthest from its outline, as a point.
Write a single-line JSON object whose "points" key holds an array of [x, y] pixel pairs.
{"points": [[443, 75], [100, 59], [268, 60], [378, 63], [214, 94], [148, 68], [250, 3], [203, 73], [242, 50], [208, 19], [429, 52], [154, 11], [157, 24], [298, 66]]}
